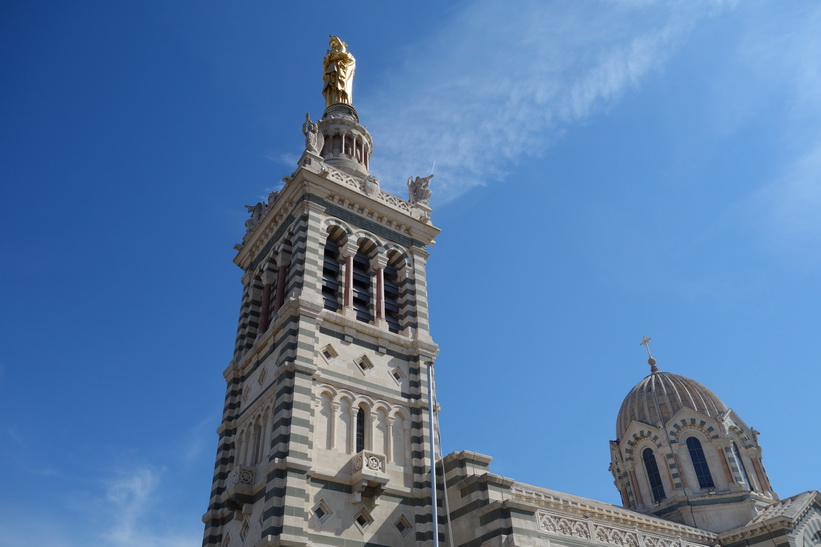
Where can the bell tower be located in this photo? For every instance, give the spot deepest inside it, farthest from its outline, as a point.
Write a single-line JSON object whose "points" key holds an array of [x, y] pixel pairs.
{"points": [[324, 433]]}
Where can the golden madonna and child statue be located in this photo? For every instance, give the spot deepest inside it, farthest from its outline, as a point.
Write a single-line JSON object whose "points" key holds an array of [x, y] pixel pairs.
{"points": [[338, 70], [339, 67]]}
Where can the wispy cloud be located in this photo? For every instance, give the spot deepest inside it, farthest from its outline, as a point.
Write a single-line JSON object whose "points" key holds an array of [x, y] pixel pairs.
{"points": [[495, 85], [133, 513], [789, 206], [129, 495], [781, 54], [129, 508]]}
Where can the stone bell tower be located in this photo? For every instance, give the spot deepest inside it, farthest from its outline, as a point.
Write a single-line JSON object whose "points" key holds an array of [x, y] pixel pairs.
{"points": [[324, 432]]}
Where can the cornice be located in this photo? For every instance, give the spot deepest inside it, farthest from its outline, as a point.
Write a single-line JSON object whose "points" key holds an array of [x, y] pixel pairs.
{"points": [[778, 521], [363, 196]]}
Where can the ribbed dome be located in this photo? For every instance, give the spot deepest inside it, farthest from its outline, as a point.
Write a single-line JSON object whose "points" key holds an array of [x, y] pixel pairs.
{"points": [[660, 395]]}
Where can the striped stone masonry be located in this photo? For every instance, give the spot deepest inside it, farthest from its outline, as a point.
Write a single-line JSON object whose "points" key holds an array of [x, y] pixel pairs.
{"points": [[313, 390]]}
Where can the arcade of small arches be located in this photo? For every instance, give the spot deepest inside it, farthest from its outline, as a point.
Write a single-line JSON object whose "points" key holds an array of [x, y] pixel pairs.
{"points": [[265, 290], [350, 423], [254, 437], [360, 274]]}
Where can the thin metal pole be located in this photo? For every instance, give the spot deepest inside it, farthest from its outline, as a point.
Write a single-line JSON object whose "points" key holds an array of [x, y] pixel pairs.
{"points": [[432, 455]]}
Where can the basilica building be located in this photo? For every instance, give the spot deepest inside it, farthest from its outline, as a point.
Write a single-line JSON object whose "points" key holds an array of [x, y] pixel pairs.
{"points": [[327, 434]]}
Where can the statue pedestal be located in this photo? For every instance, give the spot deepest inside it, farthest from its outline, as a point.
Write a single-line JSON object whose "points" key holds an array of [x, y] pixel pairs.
{"points": [[421, 212]]}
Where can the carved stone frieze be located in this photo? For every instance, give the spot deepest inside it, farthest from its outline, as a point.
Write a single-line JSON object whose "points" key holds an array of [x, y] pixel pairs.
{"points": [[367, 187], [586, 528], [608, 517], [368, 213]]}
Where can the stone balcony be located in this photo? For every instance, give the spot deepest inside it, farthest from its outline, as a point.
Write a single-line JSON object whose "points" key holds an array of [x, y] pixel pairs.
{"points": [[239, 486], [369, 475]]}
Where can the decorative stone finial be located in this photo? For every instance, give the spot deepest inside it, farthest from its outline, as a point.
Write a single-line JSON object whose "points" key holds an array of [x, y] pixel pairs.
{"points": [[645, 341]]}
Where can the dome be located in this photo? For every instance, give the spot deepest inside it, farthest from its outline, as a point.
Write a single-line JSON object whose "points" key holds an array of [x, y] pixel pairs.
{"points": [[660, 395]]}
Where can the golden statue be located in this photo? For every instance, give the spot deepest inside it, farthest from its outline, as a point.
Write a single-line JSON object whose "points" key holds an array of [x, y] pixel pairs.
{"points": [[339, 67]]}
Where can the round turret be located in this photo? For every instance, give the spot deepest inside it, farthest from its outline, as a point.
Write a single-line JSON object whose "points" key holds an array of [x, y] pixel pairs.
{"points": [[347, 144]]}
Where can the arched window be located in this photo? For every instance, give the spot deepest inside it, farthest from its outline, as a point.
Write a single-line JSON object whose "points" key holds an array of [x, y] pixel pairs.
{"points": [[330, 271], [324, 425], [362, 287], [269, 294], [360, 430], [741, 468], [399, 448], [705, 479], [393, 308], [257, 436], [331, 281], [254, 319], [245, 442], [343, 432], [653, 474], [273, 273]]}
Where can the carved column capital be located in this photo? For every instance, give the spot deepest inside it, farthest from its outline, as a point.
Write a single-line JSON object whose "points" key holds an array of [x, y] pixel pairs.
{"points": [[283, 254], [269, 275], [350, 248], [379, 261]]}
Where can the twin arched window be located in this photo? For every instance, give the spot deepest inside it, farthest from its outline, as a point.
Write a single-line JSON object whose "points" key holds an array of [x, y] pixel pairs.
{"points": [[653, 474]]}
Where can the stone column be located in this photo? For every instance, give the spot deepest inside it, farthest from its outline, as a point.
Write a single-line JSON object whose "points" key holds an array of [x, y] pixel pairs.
{"points": [[378, 264], [389, 448], [348, 251], [370, 426], [352, 432], [242, 456], [253, 446], [331, 433]]}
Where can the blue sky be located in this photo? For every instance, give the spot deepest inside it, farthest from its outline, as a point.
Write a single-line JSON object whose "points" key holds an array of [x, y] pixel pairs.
{"points": [[604, 170]]}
